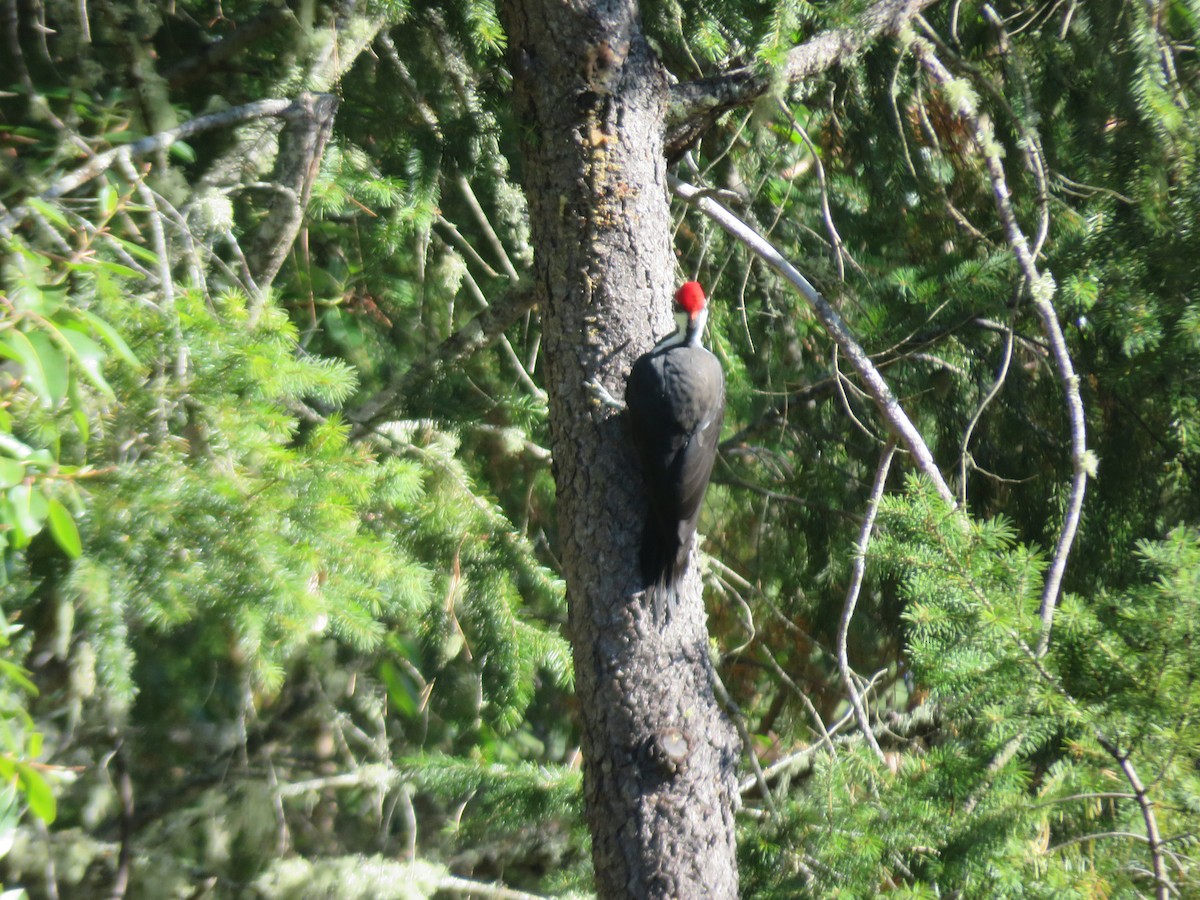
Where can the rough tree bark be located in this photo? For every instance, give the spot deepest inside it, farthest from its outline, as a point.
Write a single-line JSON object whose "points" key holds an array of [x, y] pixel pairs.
{"points": [[659, 757]]}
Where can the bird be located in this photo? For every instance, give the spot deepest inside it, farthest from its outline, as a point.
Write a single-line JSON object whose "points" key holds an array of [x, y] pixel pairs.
{"points": [[675, 395]]}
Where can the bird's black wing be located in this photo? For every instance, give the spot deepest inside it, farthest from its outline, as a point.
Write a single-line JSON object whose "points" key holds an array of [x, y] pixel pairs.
{"points": [[676, 406]]}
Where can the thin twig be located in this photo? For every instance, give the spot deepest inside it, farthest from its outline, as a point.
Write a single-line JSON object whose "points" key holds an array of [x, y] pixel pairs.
{"points": [[480, 331], [485, 225], [424, 110], [506, 347], [835, 239], [163, 258], [373, 776], [464, 247], [739, 721], [993, 392], [856, 579], [824, 733], [799, 759], [124, 788]]}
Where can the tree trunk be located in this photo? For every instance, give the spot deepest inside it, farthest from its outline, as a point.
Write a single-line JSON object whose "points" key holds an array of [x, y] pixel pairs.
{"points": [[659, 757]]}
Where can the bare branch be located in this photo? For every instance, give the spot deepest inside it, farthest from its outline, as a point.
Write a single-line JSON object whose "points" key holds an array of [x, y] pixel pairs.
{"points": [[428, 116], [835, 239], [993, 392], [463, 246], [739, 721], [881, 394], [856, 580], [506, 348], [1163, 884], [124, 789], [158, 235], [1041, 289], [798, 761], [489, 233]]}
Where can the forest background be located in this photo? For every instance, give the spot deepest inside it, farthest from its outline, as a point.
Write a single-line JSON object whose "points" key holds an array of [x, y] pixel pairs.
{"points": [[283, 603]]}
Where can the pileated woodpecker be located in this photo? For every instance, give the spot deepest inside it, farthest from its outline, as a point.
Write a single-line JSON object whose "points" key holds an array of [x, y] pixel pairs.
{"points": [[676, 400]]}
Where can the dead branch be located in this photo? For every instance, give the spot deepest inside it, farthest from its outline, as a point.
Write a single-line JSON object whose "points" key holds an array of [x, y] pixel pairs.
{"points": [[856, 580], [1041, 289]]}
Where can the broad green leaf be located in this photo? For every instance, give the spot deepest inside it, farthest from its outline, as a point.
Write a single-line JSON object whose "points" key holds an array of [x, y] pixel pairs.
{"points": [[107, 200], [16, 346], [399, 690], [183, 151], [122, 135], [111, 337], [54, 365], [49, 211], [10, 671], [30, 508], [30, 273], [89, 356], [10, 815], [62, 528], [11, 472], [104, 265], [11, 445], [138, 251], [37, 793]]}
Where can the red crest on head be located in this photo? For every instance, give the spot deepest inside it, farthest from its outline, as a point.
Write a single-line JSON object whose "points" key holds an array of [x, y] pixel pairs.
{"points": [[690, 297]]}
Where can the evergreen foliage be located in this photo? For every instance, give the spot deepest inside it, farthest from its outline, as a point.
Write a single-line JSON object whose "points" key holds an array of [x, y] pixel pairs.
{"points": [[281, 618]]}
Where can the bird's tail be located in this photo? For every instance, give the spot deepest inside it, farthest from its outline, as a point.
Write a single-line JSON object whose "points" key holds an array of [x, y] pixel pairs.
{"points": [[663, 561]]}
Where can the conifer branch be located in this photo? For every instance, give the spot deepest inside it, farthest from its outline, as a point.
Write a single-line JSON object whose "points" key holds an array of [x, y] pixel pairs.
{"points": [[1041, 290], [696, 105], [877, 388], [215, 56]]}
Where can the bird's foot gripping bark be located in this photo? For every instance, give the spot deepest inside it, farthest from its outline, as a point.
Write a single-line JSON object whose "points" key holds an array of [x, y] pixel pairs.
{"points": [[601, 396]]}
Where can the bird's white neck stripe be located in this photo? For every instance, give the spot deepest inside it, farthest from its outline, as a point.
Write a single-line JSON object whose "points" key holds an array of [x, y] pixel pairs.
{"points": [[687, 330]]}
